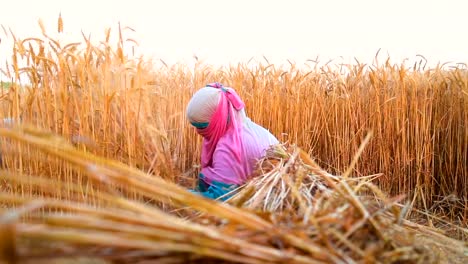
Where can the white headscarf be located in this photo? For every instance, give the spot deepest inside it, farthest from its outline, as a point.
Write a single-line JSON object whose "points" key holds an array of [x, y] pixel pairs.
{"points": [[203, 105]]}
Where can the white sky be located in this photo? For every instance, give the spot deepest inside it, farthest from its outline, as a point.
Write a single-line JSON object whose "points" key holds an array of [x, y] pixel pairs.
{"points": [[222, 31]]}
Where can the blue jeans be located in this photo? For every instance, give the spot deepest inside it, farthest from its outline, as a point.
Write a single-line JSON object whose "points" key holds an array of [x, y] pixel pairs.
{"points": [[214, 190]]}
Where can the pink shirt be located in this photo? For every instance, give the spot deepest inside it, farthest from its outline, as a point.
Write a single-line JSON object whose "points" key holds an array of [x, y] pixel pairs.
{"points": [[225, 168]]}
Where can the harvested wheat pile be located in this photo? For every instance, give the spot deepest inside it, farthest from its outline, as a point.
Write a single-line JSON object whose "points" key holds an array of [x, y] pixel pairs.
{"points": [[292, 212], [282, 181], [350, 217]]}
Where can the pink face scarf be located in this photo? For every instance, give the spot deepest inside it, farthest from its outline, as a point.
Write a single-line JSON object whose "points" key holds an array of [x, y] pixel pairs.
{"points": [[224, 120]]}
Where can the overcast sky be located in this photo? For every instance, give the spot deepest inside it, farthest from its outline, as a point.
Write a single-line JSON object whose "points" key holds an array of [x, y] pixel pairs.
{"points": [[222, 31]]}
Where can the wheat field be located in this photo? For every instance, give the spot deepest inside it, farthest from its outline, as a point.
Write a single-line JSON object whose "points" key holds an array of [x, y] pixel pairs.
{"points": [[113, 105]]}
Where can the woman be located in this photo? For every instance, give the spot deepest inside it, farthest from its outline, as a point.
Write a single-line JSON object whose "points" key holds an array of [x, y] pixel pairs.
{"points": [[232, 143]]}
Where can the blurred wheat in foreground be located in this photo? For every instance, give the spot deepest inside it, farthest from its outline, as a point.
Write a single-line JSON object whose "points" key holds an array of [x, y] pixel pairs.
{"points": [[96, 157], [348, 220]]}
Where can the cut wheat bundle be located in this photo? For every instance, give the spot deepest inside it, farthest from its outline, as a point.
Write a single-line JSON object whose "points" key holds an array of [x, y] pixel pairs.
{"points": [[349, 216]]}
